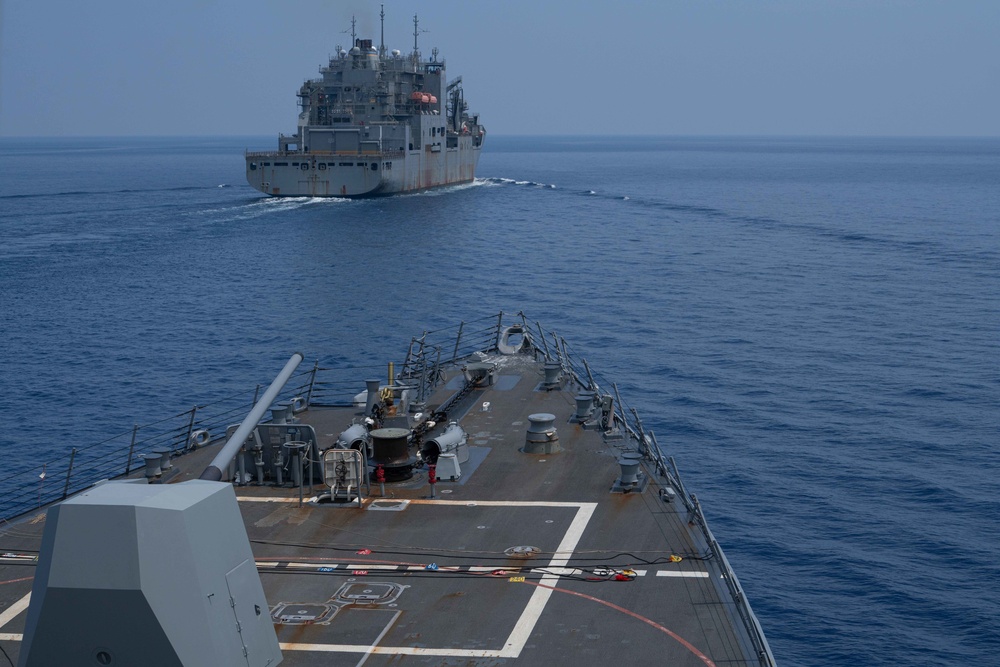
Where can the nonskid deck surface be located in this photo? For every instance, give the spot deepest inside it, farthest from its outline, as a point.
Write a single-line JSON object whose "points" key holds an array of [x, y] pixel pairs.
{"points": [[422, 580]]}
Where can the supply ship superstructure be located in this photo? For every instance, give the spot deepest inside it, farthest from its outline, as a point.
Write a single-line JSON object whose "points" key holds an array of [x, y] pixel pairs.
{"points": [[376, 122]]}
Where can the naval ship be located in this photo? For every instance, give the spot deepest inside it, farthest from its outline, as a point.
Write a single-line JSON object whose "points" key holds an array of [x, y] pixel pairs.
{"points": [[484, 497], [376, 123]]}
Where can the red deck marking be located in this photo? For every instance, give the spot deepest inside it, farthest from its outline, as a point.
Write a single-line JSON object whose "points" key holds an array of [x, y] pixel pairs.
{"points": [[12, 581], [701, 656]]}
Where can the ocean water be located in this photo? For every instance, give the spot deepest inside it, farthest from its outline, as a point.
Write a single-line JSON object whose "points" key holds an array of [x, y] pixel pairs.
{"points": [[810, 326]]}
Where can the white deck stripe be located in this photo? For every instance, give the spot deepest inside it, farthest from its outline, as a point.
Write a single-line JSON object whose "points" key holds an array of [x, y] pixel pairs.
{"points": [[391, 650], [8, 637], [540, 596], [529, 617], [374, 645], [270, 499], [284, 564], [14, 610], [678, 573], [499, 503]]}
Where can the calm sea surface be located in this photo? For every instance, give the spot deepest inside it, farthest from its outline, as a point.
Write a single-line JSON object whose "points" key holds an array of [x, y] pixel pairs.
{"points": [[810, 326]]}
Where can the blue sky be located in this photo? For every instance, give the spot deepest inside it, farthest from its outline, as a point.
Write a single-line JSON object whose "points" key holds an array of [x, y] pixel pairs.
{"points": [[665, 67]]}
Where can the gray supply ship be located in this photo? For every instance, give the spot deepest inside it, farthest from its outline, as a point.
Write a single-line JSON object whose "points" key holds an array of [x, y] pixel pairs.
{"points": [[377, 122], [489, 500]]}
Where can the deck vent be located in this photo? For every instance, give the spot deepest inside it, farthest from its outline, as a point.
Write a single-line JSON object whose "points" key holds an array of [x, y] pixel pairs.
{"points": [[372, 397], [542, 437]]}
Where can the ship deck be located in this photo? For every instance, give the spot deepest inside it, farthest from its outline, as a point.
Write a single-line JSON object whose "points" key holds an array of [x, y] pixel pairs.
{"points": [[414, 579]]}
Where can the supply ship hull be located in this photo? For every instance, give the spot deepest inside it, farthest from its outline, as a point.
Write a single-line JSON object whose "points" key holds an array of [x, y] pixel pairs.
{"points": [[491, 500], [377, 122]]}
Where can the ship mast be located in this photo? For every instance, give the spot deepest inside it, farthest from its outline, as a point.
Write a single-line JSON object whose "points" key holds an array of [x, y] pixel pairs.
{"points": [[416, 22], [381, 46]]}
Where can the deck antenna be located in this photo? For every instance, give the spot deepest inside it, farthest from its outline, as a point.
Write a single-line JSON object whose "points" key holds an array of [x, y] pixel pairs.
{"points": [[354, 33], [416, 31], [381, 46], [416, 22]]}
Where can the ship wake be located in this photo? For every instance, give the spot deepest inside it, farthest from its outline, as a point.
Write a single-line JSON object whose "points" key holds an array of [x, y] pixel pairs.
{"points": [[259, 207], [499, 181]]}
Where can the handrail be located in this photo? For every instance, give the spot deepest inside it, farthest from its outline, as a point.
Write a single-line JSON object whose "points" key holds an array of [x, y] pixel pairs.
{"points": [[30, 487], [424, 364], [300, 154]]}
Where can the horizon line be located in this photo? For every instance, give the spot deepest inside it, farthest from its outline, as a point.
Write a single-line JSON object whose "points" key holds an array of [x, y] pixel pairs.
{"points": [[537, 136]]}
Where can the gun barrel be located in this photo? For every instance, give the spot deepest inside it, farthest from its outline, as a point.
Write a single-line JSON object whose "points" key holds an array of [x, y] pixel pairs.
{"points": [[225, 456]]}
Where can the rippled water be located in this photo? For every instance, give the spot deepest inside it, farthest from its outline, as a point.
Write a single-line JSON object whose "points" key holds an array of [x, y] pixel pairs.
{"points": [[810, 327]]}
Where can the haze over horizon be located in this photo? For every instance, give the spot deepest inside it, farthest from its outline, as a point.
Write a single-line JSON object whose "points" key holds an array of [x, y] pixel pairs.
{"points": [[718, 67]]}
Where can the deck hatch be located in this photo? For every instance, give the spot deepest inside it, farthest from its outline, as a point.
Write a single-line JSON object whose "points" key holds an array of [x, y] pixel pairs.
{"points": [[372, 593]]}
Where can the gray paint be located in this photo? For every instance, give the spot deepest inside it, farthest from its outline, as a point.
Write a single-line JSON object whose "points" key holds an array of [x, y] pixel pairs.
{"points": [[214, 471], [144, 574], [363, 132]]}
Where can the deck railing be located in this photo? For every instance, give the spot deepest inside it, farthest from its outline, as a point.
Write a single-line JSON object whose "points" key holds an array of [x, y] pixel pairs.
{"points": [[434, 349], [260, 155], [32, 486], [424, 368]]}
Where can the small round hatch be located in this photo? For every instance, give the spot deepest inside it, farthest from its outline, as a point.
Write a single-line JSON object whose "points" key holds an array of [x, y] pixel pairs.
{"points": [[523, 551]]}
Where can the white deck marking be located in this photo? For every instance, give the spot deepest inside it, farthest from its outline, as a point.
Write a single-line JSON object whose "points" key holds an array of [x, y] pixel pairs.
{"points": [[529, 617], [10, 637], [301, 566], [14, 610], [270, 499], [374, 645], [391, 650], [678, 573], [500, 503]]}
